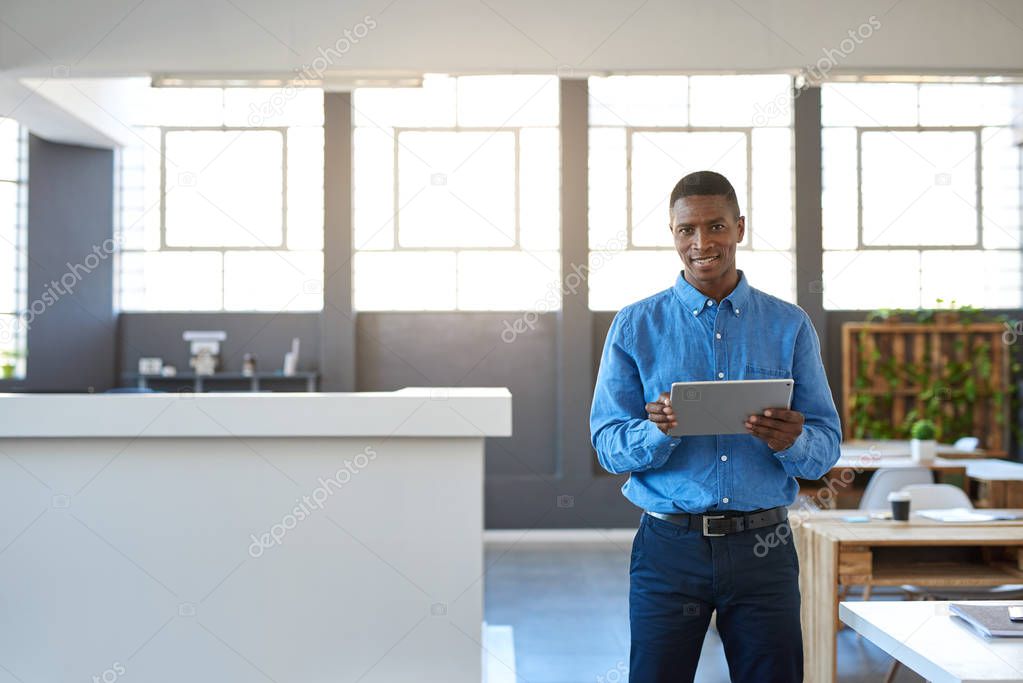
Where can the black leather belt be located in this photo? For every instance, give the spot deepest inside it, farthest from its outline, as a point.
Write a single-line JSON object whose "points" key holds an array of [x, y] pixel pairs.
{"points": [[728, 523]]}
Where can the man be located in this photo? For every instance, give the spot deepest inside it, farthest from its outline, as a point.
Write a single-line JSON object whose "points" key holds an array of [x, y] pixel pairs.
{"points": [[710, 501]]}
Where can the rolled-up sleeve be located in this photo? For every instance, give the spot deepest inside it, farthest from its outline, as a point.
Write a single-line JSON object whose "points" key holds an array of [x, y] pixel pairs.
{"points": [[625, 440], [816, 450]]}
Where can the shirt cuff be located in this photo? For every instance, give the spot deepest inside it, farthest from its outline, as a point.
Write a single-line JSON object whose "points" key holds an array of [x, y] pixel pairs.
{"points": [[660, 443], [796, 451]]}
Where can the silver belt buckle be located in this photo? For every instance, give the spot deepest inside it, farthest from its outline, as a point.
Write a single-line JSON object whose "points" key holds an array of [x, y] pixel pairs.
{"points": [[707, 518]]}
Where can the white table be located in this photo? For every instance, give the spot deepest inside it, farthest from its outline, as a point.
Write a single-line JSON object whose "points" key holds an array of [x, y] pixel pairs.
{"points": [[313, 537], [939, 647]]}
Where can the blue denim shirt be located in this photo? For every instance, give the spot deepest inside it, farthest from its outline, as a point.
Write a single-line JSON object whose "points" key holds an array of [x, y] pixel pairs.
{"points": [[680, 335]]}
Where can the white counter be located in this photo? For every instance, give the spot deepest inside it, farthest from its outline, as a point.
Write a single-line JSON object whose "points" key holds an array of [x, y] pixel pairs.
{"points": [[239, 537], [414, 411]]}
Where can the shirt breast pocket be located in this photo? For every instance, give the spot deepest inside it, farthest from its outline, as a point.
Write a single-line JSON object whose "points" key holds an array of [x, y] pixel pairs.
{"points": [[763, 371]]}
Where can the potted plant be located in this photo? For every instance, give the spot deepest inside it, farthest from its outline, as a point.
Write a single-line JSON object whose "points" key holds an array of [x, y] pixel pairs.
{"points": [[922, 445], [9, 364]]}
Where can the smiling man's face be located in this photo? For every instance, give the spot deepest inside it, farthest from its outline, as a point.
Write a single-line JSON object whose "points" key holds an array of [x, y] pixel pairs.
{"points": [[706, 232]]}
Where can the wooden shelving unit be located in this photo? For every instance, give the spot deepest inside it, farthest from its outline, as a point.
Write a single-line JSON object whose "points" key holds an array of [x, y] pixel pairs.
{"points": [[934, 346]]}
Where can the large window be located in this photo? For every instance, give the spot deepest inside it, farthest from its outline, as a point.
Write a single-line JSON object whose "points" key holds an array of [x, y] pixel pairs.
{"points": [[646, 132], [13, 195], [921, 196], [221, 202], [457, 195]]}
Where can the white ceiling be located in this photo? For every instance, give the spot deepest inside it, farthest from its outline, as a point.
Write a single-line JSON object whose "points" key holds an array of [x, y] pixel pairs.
{"points": [[90, 38]]}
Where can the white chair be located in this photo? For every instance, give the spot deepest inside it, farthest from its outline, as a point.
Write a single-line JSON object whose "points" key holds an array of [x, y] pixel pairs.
{"points": [[966, 443], [875, 496], [936, 497], [888, 479]]}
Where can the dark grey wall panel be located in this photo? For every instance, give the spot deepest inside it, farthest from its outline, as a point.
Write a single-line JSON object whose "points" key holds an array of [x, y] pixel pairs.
{"points": [[71, 341], [268, 335], [396, 350]]}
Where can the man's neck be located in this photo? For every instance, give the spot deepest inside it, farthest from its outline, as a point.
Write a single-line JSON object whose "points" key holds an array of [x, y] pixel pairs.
{"points": [[718, 290]]}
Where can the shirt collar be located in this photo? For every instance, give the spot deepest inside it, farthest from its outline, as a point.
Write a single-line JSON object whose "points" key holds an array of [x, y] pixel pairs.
{"points": [[696, 301]]}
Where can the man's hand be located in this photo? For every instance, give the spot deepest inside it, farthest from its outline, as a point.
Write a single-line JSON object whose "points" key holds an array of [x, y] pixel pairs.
{"points": [[777, 427], [661, 413]]}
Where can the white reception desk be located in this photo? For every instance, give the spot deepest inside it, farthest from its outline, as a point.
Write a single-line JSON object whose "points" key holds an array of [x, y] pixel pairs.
{"points": [[293, 538]]}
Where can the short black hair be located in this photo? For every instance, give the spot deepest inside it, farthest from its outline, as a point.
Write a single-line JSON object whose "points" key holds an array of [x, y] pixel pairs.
{"points": [[704, 183]]}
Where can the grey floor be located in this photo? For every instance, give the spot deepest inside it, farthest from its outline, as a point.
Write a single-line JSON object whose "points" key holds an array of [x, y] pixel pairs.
{"points": [[568, 605]]}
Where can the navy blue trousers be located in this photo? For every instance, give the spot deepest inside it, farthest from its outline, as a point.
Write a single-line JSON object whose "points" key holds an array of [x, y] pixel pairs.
{"points": [[678, 577]]}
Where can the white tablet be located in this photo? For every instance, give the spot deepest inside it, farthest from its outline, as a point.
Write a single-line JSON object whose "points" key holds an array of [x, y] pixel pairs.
{"points": [[722, 407]]}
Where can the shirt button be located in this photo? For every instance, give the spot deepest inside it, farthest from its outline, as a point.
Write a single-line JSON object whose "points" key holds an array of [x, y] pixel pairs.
{"points": [[710, 302], [721, 375], [737, 311], [718, 335], [724, 458], [695, 311], [724, 500]]}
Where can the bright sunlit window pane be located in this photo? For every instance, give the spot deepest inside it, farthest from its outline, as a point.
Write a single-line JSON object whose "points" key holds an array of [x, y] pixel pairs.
{"points": [[1000, 185], [960, 104], [639, 101], [740, 101], [228, 189], [507, 278], [772, 190], [608, 185], [15, 313], [839, 191], [430, 106], [10, 150], [273, 280], [305, 188], [423, 281], [456, 195], [10, 228], [659, 160], [871, 279], [171, 280], [646, 133], [869, 104], [984, 279], [220, 201], [507, 101], [621, 277], [919, 188], [373, 191], [456, 189]]}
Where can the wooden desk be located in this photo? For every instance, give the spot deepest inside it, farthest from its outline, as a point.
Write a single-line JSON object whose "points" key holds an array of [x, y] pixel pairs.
{"points": [[900, 448], [883, 553], [936, 645], [995, 483]]}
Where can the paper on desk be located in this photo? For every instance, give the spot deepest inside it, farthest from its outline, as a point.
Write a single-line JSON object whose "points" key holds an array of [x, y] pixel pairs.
{"points": [[957, 515]]}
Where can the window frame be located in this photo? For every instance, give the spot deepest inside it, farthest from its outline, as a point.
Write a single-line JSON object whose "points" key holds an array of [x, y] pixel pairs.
{"points": [[164, 130], [747, 132], [978, 243], [19, 332], [396, 193]]}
